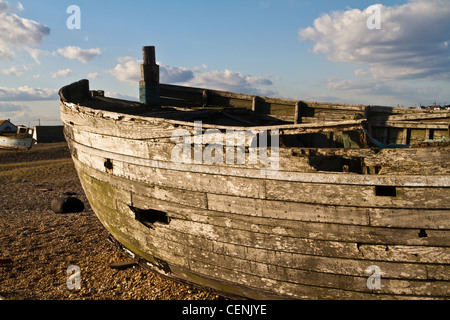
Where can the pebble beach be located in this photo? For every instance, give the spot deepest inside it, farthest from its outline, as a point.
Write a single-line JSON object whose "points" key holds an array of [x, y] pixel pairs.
{"points": [[37, 245]]}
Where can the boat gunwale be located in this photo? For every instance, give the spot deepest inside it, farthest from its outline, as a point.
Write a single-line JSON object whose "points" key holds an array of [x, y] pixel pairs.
{"points": [[152, 119]]}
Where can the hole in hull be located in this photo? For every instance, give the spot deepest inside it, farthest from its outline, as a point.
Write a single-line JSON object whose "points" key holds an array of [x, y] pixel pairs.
{"points": [[109, 166], [423, 233], [385, 191], [149, 217]]}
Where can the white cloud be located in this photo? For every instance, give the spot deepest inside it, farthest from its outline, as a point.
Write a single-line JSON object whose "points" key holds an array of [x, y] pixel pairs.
{"points": [[35, 53], [13, 111], [11, 107], [6, 54], [384, 93], [362, 72], [128, 70], [72, 52], [229, 80], [61, 73], [12, 72], [26, 93], [411, 44], [17, 32], [174, 74], [4, 6], [93, 75]]}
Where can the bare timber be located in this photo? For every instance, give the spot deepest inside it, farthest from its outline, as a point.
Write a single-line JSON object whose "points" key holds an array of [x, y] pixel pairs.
{"points": [[337, 204]]}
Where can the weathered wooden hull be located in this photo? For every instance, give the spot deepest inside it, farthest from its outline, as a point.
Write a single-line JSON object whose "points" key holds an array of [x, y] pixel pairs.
{"points": [[16, 143], [294, 234]]}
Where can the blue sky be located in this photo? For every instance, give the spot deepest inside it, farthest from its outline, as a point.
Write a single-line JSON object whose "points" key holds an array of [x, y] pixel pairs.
{"points": [[307, 50]]}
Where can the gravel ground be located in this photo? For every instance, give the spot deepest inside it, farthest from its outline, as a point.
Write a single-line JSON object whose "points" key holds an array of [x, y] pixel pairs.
{"points": [[37, 246]]}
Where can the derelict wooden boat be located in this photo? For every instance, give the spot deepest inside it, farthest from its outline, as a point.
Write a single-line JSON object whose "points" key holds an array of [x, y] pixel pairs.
{"points": [[22, 139], [357, 207]]}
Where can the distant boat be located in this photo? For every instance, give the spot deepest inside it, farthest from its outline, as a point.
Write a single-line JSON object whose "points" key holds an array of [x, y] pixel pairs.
{"points": [[24, 138], [356, 207]]}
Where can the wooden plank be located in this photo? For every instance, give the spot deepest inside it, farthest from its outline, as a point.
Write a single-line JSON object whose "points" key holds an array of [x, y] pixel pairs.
{"points": [[197, 230], [131, 147], [407, 253], [138, 120], [429, 161], [197, 181], [288, 210], [315, 264], [161, 149], [328, 280], [409, 124], [132, 129], [415, 116], [304, 277], [138, 127], [327, 213], [298, 112], [407, 218], [277, 219], [359, 196], [182, 197], [398, 218], [335, 245], [323, 178], [332, 249], [351, 232], [294, 260], [394, 113], [276, 190], [405, 136], [328, 248], [438, 272], [402, 271]]}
